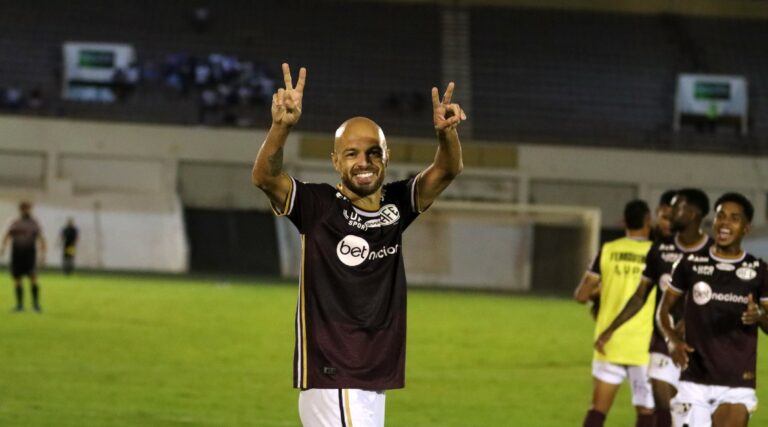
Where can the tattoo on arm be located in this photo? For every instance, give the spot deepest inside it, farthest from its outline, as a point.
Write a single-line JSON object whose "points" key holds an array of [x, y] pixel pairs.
{"points": [[276, 162]]}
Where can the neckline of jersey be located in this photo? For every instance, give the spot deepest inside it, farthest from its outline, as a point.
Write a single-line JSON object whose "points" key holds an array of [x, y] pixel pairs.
{"points": [[696, 248], [727, 260]]}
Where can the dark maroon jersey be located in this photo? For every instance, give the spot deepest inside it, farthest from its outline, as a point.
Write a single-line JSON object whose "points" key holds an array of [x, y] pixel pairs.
{"points": [[715, 296], [664, 253], [350, 319], [24, 232]]}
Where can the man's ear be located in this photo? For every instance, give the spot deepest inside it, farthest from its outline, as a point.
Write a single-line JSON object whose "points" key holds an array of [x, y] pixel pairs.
{"points": [[747, 228], [333, 160]]}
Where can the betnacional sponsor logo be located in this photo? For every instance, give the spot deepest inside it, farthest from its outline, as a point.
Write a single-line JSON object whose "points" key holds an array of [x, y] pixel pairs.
{"points": [[354, 250], [745, 273], [702, 294], [694, 258], [724, 266], [671, 257], [704, 270]]}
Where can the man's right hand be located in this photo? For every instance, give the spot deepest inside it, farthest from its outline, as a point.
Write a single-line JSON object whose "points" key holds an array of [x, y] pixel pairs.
{"points": [[678, 351], [287, 103], [602, 340]]}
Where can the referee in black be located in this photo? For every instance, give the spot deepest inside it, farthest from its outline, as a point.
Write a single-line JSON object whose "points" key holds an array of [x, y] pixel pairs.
{"points": [[26, 236]]}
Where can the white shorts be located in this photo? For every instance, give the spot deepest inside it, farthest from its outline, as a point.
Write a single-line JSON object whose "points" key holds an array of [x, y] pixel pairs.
{"points": [[333, 407], [610, 373], [662, 368], [695, 403]]}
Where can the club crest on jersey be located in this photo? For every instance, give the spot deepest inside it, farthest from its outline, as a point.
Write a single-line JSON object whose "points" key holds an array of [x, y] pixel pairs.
{"points": [[389, 214], [745, 273], [702, 293], [724, 266]]}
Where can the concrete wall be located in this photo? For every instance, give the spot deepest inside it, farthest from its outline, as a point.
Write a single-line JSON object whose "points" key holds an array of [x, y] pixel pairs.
{"points": [[125, 183]]}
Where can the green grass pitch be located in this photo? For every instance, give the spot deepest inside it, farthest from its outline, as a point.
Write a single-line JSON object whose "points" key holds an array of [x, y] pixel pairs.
{"points": [[146, 351]]}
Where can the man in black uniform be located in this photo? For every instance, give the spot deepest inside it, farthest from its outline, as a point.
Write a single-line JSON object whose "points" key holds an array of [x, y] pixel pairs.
{"points": [[350, 318], [663, 222], [725, 293], [68, 240], [689, 207], [25, 234]]}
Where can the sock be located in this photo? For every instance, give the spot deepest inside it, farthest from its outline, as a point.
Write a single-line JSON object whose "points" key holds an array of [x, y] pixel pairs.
{"points": [[35, 295], [645, 420], [663, 418], [594, 419], [19, 297]]}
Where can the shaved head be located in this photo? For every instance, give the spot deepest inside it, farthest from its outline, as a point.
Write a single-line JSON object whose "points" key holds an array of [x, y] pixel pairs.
{"points": [[359, 128]]}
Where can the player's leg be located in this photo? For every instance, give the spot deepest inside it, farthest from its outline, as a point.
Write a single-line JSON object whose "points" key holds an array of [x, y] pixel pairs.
{"points": [[341, 407], [642, 395], [734, 407], [691, 406], [664, 376], [19, 290], [730, 415], [35, 291], [606, 380]]}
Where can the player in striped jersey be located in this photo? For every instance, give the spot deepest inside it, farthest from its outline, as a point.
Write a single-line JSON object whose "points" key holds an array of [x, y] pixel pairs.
{"points": [[615, 273], [350, 317]]}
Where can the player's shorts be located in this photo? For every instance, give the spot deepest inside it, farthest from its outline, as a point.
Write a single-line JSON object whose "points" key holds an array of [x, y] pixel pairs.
{"points": [[663, 368], [323, 407], [695, 403], [611, 373], [23, 261]]}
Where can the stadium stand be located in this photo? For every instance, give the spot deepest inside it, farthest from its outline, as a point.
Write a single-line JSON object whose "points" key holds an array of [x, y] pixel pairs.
{"points": [[541, 76]]}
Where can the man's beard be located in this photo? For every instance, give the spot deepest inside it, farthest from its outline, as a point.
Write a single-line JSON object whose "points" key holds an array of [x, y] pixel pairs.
{"points": [[362, 191]]}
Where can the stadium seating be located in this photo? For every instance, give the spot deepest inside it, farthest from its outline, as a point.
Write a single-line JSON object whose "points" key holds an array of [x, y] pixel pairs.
{"points": [[538, 75]]}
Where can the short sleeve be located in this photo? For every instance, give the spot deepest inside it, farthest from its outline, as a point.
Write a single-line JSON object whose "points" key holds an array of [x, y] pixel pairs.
{"points": [[403, 194], [763, 288], [306, 204], [651, 271], [594, 266], [679, 283]]}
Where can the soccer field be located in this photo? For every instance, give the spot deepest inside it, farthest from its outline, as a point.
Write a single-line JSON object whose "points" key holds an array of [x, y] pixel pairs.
{"points": [[146, 351]]}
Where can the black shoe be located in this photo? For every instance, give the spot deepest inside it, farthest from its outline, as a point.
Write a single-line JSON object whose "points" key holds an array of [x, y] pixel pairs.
{"points": [[18, 309], [38, 309]]}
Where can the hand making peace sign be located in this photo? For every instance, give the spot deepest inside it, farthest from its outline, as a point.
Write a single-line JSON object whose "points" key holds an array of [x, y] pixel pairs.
{"points": [[286, 103], [445, 115]]}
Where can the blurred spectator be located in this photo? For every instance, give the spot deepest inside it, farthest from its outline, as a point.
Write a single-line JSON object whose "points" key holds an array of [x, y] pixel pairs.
{"points": [[201, 19], [35, 101], [13, 98]]}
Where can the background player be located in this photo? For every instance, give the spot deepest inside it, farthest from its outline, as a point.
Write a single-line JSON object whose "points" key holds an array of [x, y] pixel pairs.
{"points": [[689, 208], [26, 236], [718, 349], [615, 273], [663, 220], [350, 320], [68, 242]]}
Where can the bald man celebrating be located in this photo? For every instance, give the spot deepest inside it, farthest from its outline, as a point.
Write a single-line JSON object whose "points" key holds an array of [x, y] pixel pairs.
{"points": [[350, 317]]}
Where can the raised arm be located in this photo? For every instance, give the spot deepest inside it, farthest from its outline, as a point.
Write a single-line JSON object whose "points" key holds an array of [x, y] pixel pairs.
{"points": [[448, 163], [267, 173], [678, 348], [633, 305]]}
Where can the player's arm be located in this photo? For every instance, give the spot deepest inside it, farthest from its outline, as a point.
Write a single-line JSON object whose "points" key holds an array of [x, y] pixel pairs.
{"points": [[448, 162], [267, 173], [756, 314], [631, 308], [588, 288], [678, 348], [4, 244]]}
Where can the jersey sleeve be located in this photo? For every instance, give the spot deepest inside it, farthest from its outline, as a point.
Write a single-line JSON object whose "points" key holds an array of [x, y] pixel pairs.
{"points": [[651, 271], [594, 266], [763, 289], [680, 283], [305, 204]]}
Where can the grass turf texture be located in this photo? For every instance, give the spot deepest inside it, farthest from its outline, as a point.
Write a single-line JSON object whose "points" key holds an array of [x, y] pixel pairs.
{"points": [[128, 351]]}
